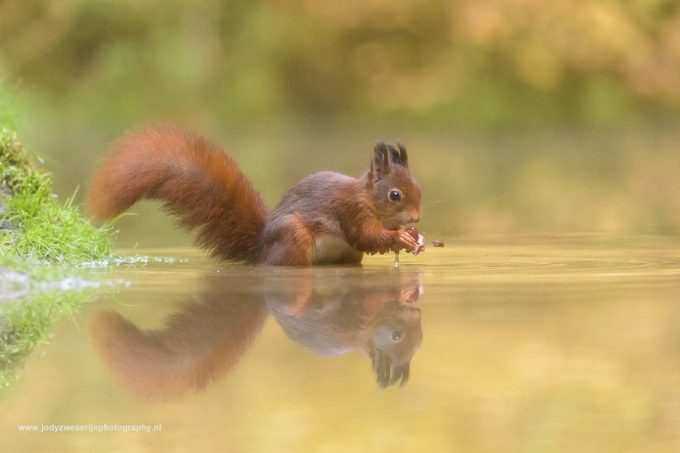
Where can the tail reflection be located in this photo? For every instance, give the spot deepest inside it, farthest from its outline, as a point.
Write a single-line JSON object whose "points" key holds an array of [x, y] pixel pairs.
{"points": [[205, 339], [200, 343]]}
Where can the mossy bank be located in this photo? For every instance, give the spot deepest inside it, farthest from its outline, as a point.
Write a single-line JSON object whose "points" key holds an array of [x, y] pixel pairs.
{"points": [[42, 241], [34, 225]]}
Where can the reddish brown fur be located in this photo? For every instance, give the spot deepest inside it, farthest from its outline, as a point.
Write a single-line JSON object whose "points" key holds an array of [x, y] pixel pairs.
{"points": [[198, 182], [294, 246], [205, 188]]}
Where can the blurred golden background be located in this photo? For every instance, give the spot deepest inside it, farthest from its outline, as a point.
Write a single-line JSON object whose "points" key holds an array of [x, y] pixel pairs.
{"points": [[521, 115]]}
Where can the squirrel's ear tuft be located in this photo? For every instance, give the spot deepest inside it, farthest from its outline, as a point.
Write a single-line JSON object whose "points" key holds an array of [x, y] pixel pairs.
{"points": [[404, 154], [380, 165], [399, 154], [386, 372]]}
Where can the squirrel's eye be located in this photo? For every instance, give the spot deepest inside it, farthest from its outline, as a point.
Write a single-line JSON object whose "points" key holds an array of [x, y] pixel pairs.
{"points": [[396, 335], [395, 195]]}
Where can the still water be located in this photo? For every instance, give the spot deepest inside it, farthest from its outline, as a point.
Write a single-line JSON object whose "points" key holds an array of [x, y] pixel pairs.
{"points": [[489, 344]]}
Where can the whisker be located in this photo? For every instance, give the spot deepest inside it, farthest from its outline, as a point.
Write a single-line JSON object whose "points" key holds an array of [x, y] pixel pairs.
{"points": [[432, 203], [426, 207]]}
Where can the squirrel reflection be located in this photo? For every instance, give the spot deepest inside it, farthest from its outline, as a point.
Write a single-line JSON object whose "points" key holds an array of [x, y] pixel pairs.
{"points": [[332, 318], [205, 339]]}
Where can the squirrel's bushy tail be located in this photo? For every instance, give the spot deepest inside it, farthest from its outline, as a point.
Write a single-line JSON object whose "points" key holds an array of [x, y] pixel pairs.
{"points": [[198, 182]]}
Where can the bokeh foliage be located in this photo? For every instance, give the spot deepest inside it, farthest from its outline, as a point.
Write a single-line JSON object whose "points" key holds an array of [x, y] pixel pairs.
{"points": [[496, 59]]}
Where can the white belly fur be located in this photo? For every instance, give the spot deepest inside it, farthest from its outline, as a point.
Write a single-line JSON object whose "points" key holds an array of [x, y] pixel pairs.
{"points": [[329, 248]]}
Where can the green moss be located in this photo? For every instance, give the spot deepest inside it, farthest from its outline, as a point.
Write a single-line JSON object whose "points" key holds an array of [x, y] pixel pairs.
{"points": [[16, 174], [33, 224], [53, 232]]}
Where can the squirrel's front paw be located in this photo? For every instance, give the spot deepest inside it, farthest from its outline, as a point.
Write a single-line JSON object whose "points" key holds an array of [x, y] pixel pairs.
{"points": [[406, 241]]}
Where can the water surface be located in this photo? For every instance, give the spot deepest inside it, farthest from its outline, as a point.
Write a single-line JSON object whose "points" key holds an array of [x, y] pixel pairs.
{"points": [[489, 344]]}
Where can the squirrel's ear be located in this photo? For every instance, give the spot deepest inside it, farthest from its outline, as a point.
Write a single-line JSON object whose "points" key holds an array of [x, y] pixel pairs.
{"points": [[404, 154], [398, 154], [386, 372], [380, 165], [401, 373]]}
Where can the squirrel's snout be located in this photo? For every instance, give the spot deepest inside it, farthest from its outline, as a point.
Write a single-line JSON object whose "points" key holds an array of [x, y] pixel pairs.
{"points": [[415, 217]]}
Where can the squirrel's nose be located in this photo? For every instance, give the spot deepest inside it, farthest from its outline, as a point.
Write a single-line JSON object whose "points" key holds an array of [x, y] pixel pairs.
{"points": [[415, 216]]}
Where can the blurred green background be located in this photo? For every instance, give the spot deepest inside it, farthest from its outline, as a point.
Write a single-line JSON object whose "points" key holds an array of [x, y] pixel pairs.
{"points": [[522, 116]]}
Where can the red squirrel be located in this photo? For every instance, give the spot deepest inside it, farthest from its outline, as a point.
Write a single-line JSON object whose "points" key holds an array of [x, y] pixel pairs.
{"points": [[326, 218]]}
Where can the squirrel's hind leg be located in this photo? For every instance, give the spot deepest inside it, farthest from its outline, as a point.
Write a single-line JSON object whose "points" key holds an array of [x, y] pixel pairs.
{"points": [[351, 257], [288, 243]]}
